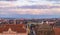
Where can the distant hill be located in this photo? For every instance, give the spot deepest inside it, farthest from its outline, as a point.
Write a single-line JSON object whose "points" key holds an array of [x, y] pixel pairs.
{"points": [[28, 16]]}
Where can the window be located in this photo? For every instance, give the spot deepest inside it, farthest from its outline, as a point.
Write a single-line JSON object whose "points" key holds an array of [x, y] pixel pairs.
{"points": [[17, 21], [11, 21]]}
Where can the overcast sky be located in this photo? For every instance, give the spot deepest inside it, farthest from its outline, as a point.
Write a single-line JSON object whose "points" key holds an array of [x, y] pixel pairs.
{"points": [[8, 7], [30, 2]]}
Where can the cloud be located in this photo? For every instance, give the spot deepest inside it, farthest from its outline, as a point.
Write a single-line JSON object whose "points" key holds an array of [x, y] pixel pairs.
{"points": [[11, 7], [27, 2], [53, 0], [39, 11], [31, 11], [34, 10], [7, 0]]}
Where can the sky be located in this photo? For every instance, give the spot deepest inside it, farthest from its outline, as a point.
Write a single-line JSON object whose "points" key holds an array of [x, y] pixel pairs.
{"points": [[30, 2], [30, 8]]}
